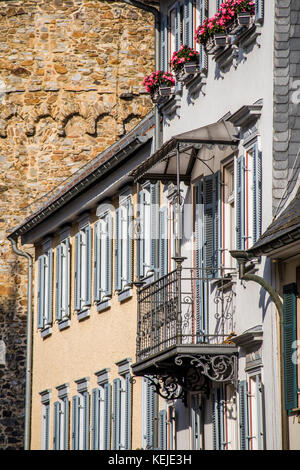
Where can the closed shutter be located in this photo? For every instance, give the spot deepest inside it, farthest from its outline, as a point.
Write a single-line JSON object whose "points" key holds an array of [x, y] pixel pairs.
{"points": [[116, 414], [77, 271], [200, 299], [97, 261], [164, 66], [58, 282], [95, 418], [108, 248], [57, 422], [259, 11], [188, 23], [243, 415], [40, 299], [257, 193], [129, 276], [75, 422], [107, 416], [211, 223], [118, 251], [128, 408], [66, 423], [163, 241], [154, 221], [218, 419], [240, 203], [88, 295], [49, 287], [289, 339], [163, 430]]}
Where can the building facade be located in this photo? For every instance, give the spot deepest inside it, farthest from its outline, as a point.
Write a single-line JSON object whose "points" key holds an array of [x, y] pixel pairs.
{"points": [[147, 332]]}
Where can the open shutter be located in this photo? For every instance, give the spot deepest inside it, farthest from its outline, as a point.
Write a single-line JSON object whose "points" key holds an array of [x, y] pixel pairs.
{"points": [[163, 430], [188, 23], [218, 4], [118, 251], [88, 296], [200, 298], [129, 276], [49, 286], [164, 66], [257, 193], [97, 261], [86, 421], [211, 223], [57, 421], [218, 419], [116, 414], [203, 10], [75, 422], [77, 271], [107, 413], [178, 27], [66, 423], [128, 407], [141, 240], [163, 241], [154, 221], [47, 427], [259, 11], [243, 414], [240, 203], [108, 248], [40, 299], [58, 282], [289, 339], [95, 418]]}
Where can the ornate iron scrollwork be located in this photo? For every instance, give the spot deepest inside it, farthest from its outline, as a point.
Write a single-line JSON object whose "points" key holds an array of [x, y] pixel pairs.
{"points": [[219, 368]]}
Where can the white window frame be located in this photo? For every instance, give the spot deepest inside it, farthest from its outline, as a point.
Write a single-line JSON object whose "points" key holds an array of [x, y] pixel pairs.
{"points": [[228, 215], [124, 242], [46, 412], [103, 257], [196, 426], [85, 268], [63, 303], [44, 300], [255, 410]]}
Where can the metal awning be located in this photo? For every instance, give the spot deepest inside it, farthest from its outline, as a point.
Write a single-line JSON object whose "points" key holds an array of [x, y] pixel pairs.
{"points": [[209, 144]]}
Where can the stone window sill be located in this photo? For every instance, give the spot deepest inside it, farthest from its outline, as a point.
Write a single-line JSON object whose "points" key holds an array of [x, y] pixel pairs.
{"points": [[45, 332], [124, 294], [103, 305], [83, 314]]}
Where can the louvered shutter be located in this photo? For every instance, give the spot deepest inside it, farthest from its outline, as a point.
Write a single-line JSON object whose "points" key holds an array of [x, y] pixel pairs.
{"points": [[86, 421], [203, 10], [40, 299], [77, 271], [243, 415], [58, 282], [240, 203], [154, 222], [257, 193], [107, 413], [129, 240], [47, 426], [118, 251], [116, 414], [49, 286], [259, 11], [163, 430], [66, 278], [128, 408], [141, 240], [57, 423], [75, 422], [149, 416], [88, 295], [211, 223], [164, 66], [289, 339], [97, 261], [163, 241], [218, 419], [95, 418], [200, 311], [218, 3], [188, 23], [66, 423], [178, 27], [108, 248]]}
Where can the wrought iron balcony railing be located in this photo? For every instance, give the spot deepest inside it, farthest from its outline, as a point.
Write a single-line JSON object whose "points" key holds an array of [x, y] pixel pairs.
{"points": [[173, 311]]}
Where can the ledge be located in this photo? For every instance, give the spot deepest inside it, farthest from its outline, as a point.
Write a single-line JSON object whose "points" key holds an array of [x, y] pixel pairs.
{"points": [[82, 314], [62, 325], [46, 332], [124, 295], [104, 305]]}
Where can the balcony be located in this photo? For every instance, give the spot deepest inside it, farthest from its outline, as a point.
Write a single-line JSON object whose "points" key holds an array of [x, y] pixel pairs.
{"points": [[179, 342]]}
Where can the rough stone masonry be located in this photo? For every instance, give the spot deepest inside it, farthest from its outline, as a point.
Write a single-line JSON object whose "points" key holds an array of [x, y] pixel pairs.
{"points": [[71, 76]]}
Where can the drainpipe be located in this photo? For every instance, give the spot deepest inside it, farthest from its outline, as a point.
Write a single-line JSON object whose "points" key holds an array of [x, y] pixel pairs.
{"points": [[28, 343], [156, 13], [242, 257]]}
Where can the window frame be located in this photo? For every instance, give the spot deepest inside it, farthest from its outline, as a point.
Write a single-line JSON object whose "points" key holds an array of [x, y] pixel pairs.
{"points": [[45, 288]]}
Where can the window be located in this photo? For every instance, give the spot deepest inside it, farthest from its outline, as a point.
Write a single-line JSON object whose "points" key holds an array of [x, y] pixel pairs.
{"points": [[289, 345], [219, 419], [196, 423], [63, 280], [122, 404], [251, 413], [83, 245], [61, 420], [149, 416], [124, 239], [101, 413], [103, 258], [149, 223], [44, 293], [248, 197], [45, 441], [228, 216], [81, 417]]}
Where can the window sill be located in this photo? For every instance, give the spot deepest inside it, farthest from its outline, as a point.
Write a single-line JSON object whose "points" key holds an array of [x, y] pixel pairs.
{"points": [[45, 332], [82, 314], [103, 305], [124, 294], [63, 324]]}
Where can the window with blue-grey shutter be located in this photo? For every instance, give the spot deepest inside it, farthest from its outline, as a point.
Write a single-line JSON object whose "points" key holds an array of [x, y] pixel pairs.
{"points": [[66, 422], [154, 225], [118, 251], [128, 411], [211, 216], [96, 419], [196, 422], [289, 342], [63, 280], [163, 241], [162, 430], [257, 193], [243, 415], [240, 203], [57, 426], [178, 25], [164, 66], [124, 245], [103, 258], [218, 419], [44, 291], [45, 426], [150, 425], [107, 416], [188, 23], [77, 305], [40, 309], [116, 414], [218, 4], [75, 422], [86, 421], [88, 267], [259, 11], [129, 243], [203, 13], [49, 259], [83, 268]]}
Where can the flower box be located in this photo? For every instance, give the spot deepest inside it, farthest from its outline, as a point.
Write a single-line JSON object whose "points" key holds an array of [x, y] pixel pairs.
{"points": [[244, 19], [221, 39], [191, 69], [165, 90]]}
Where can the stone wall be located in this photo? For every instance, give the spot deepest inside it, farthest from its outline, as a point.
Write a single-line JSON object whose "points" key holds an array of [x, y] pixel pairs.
{"points": [[71, 76], [286, 101]]}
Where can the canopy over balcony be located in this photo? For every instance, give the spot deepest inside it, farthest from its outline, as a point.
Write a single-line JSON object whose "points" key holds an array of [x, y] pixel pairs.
{"points": [[207, 145]]}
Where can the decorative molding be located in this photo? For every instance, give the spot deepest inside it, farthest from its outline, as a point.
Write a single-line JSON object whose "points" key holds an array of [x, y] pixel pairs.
{"points": [[64, 233], [63, 390], [102, 376], [124, 366], [45, 396], [246, 115], [82, 384], [84, 220]]}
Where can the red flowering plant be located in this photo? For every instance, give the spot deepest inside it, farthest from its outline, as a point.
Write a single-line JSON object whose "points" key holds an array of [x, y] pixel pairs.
{"points": [[156, 79], [185, 55], [244, 6]]}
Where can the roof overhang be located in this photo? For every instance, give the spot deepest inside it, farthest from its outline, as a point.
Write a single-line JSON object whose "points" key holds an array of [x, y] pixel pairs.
{"points": [[208, 144]]}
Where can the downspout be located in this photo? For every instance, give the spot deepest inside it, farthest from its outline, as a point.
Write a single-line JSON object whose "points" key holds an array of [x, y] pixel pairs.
{"points": [[156, 13], [242, 257], [28, 343]]}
